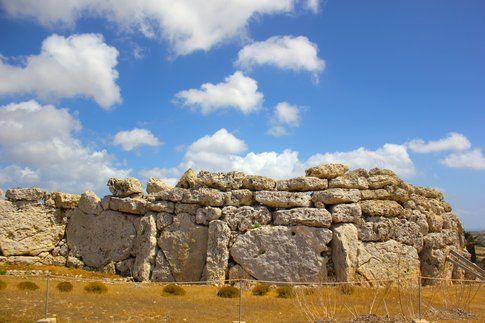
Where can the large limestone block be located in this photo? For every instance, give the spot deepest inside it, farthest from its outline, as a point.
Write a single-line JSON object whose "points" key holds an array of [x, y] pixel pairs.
{"points": [[319, 218], [217, 252], [327, 171], [124, 187], [161, 272], [336, 196], [385, 208], [221, 181], [173, 195], [258, 183], [90, 203], [280, 199], [246, 217], [29, 230], [155, 185], [381, 181], [145, 247], [239, 198], [350, 212], [204, 196], [283, 253], [431, 193], [101, 239], [184, 245], [128, 205], [63, 200], [354, 179], [302, 184], [32, 194], [204, 215], [161, 206], [344, 251], [379, 194], [386, 260]]}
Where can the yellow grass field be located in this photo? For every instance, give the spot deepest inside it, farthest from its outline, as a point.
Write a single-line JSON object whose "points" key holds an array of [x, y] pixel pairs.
{"points": [[138, 302]]}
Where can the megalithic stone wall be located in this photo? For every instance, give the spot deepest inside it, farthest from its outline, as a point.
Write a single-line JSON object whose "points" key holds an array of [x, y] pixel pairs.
{"points": [[332, 224]]}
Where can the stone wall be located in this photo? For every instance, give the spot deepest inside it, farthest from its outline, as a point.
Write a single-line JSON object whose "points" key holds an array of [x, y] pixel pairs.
{"points": [[332, 224]]}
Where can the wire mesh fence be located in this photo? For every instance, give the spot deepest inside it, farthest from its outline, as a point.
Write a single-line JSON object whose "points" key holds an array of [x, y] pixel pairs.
{"points": [[395, 300]]}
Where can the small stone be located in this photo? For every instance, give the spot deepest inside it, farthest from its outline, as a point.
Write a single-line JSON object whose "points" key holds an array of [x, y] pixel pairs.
{"points": [[379, 194], [128, 205], [385, 208], [319, 218], [246, 217], [351, 179], [345, 212], [161, 206], [204, 196], [302, 184], [336, 196], [155, 185], [90, 203], [188, 180], [163, 220], [258, 183], [280, 199], [207, 214], [65, 200], [381, 181], [327, 171], [174, 195], [125, 187], [239, 198]]}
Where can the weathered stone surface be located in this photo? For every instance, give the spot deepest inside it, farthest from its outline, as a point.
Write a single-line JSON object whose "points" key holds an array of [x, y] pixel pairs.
{"points": [[174, 195], [327, 171], [381, 171], [163, 220], [100, 239], [64, 200], [246, 217], [186, 208], [379, 194], [33, 194], [50, 260], [204, 196], [344, 251], [381, 208], [128, 205], [239, 198], [155, 185], [280, 199], [217, 252], [345, 212], [184, 245], [435, 222], [125, 267], [258, 183], [381, 181], [20, 260], [162, 271], [161, 206], [221, 181], [319, 218], [302, 184], [90, 203], [353, 179], [336, 196], [188, 180], [386, 260], [207, 214], [124, 187], [283, 253], [29, 230], [144, 248], [428, 192]]}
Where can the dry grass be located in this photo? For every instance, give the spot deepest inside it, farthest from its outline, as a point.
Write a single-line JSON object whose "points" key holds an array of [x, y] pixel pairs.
{"points": [[137, 302], [61, 271]]}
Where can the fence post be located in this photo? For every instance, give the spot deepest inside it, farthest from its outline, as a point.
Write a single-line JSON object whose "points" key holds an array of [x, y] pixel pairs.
{"points": [[419, 297], [46, 301], [240, 299]]}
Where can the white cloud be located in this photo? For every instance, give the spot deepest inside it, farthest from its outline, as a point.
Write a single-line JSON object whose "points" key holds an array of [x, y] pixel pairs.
{"points": [[237, 91], [284, 116], [168, 175], [313, 5], [188, 25], [46, 153], [130, 139], [453, 142], [285, 52], [391, 156], [473, 159], [79, 65]]}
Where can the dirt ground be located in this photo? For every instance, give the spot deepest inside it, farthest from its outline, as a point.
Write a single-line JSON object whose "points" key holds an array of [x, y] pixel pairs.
{"points": [[137, 302]]}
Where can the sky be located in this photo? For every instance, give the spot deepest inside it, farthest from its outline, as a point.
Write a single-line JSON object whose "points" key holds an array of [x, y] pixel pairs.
{"points": [[96, 89]]}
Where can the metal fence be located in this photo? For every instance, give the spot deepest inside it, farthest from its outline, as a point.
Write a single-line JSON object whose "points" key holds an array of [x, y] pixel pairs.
{"points": [[320, 301]]}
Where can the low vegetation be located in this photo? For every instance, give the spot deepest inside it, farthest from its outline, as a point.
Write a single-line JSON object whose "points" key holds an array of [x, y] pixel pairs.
{"points": [[96, 288], [27, 286], [64, 287], [173, 290], [346, 289], [228, 292], [3, 271], [285, 291], [260, 289]]}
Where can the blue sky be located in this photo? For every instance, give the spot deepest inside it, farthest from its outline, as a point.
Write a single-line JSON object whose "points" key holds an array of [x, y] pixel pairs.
{"points": [[93, 89]]}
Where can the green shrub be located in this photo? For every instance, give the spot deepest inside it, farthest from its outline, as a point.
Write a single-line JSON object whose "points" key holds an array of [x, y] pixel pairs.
{"points": [[285, 291], [96, 288], [27, 286], [260, 289], [173, 290], [228, 292], [347, 289], [64, 287], [3, 285], [3, 271]]}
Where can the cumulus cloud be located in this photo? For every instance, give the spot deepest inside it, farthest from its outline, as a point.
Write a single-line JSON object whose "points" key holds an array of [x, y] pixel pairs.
{"points": [[453, 142], [188, 25], [285, 116], [130, 139], [236, 92], [473, 159], [38, 147], [79, 65], [223, 151], [284, 52], [391, 156], [168, 175]]}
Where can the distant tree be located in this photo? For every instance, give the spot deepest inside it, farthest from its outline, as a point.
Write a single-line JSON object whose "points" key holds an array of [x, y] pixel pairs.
{"points": [[470, 246]]}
